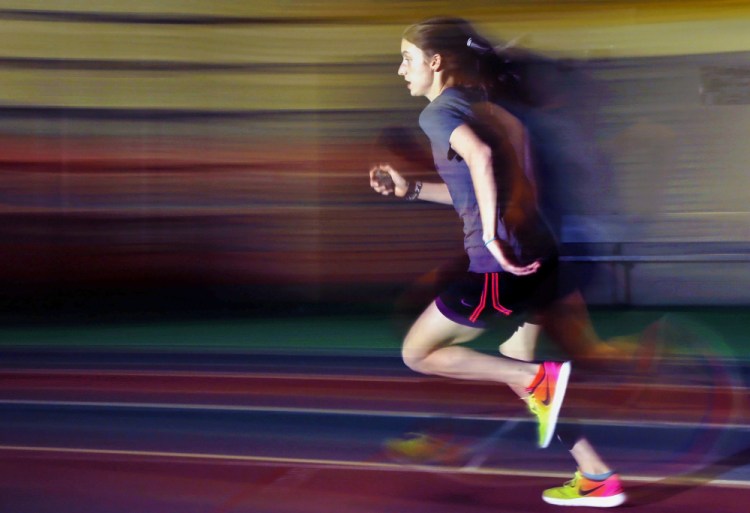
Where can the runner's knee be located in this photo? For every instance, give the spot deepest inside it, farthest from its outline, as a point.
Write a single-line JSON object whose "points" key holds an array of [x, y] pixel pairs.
{"points": [[418, 353], [413, 358]]}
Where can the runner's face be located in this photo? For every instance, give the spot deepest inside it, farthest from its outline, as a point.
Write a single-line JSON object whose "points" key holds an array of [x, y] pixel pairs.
{"points": [[416, 69]]}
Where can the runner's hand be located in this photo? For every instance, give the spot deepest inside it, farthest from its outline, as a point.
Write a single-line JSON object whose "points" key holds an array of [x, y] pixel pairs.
{"points": [[386, 181], [519, 270]]}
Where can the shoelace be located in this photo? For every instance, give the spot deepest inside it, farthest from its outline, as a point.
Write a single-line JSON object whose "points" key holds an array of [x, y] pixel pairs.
{"points": [[573, 483], [533, 404]]}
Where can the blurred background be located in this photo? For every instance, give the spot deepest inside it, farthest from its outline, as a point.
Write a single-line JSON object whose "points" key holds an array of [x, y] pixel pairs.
{"points": [[202, 300], [211, 156]]}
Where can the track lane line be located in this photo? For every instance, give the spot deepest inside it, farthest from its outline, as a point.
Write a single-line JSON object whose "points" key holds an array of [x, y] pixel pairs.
{"points": [[354, 413], [356, 465], [296, 376]]}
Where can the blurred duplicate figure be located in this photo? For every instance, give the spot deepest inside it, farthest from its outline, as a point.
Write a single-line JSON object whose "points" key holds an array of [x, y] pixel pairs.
{"points": [[483, 157]]}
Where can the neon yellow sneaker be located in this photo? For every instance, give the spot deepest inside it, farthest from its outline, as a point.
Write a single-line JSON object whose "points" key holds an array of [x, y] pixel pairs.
{"points": [[581, 491], [546, 398]]}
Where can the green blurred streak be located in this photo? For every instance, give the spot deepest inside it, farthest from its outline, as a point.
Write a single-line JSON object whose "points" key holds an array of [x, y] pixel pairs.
{"points": [[723, 331]]}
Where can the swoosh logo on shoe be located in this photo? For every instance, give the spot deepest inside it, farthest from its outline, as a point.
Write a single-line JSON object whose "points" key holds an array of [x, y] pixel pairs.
{"points": [[547, 399], [591, 490]]}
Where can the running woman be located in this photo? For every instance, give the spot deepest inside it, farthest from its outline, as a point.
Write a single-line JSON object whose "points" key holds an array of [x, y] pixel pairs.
{"points": [[482, 156]]}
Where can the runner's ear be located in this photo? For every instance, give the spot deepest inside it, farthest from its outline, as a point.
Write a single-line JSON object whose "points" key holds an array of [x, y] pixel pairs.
{"points": [[436, 62]]}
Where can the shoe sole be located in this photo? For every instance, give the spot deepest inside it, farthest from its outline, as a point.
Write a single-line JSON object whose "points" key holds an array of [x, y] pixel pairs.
{"points": [[593, 502], [560, 389]]}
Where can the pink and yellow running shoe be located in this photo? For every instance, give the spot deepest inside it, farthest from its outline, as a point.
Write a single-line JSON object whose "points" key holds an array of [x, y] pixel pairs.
{"points": [[546, 396], [581, 491]]}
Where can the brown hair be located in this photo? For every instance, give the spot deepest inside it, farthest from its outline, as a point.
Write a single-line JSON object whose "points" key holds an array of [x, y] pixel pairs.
{"points": [[448, 37], [472, 61]]}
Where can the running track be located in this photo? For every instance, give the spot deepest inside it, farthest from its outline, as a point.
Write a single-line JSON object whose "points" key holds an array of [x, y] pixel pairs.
{"points": [[106, 431]]}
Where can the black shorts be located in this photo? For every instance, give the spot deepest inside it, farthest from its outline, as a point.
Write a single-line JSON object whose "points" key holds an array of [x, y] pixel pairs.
{"points": [[479, 300]]}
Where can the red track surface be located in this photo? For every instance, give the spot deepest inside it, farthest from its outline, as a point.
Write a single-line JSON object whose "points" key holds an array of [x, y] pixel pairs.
{"points": [[625, 400], [63, 483], [37, 480]]}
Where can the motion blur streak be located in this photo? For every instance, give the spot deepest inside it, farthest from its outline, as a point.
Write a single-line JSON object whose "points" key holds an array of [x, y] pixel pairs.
{"points": [[164, 163], [225, 144]]}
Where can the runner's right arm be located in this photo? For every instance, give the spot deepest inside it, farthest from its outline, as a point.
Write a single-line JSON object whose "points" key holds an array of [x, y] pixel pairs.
{"points": [[436, 192]]}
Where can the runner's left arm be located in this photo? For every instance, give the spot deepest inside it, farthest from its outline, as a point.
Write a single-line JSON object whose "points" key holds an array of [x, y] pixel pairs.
{"points": [[478, 156]]}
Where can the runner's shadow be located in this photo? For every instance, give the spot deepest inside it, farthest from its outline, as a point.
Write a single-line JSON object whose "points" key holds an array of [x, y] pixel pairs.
{"points": [[664, 489]]}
